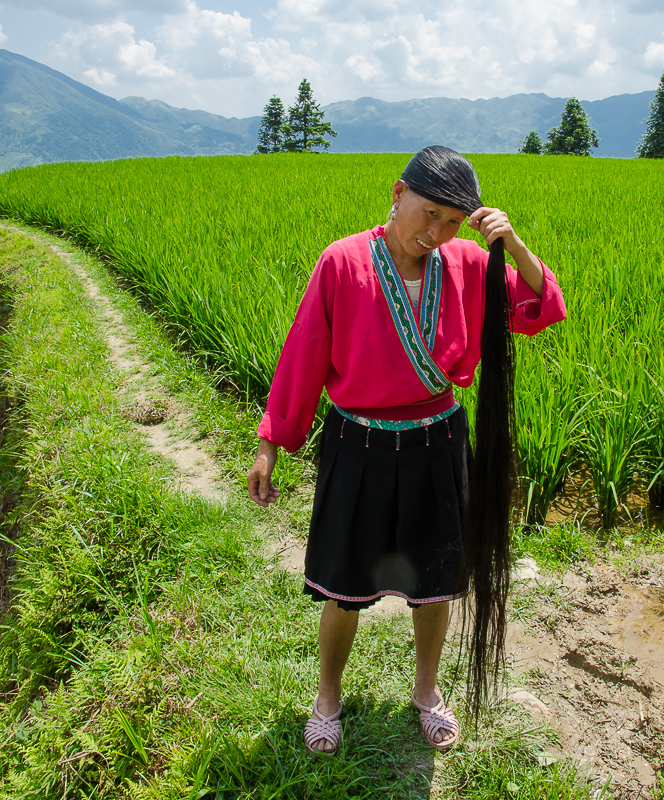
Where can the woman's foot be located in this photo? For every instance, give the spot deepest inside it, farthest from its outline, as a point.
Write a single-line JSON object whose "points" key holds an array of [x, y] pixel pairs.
{"points": [[439, 725], [322, 731]]}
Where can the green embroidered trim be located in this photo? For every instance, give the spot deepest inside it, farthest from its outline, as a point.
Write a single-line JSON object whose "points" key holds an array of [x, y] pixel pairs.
{"points": [[415, 344], [397, 425], [432, 284]]}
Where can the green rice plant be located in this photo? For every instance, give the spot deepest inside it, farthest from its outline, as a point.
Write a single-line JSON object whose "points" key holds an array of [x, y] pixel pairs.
{"points": [[619, 428], [655, 466], [550, 415], [658, 788]]}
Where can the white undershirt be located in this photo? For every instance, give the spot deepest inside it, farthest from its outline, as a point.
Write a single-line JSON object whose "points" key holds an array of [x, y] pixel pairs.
{"points": [[413, 289]]}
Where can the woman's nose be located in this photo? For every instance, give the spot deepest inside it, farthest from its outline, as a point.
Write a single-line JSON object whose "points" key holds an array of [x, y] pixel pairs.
{"points": [[437, 231]]}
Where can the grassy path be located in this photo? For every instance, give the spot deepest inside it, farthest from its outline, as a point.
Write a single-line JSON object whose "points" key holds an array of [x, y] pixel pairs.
{"points": [[149, 647], [198, 472]]}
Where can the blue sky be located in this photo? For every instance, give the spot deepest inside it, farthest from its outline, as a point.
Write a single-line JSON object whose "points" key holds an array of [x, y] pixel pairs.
{"points": [[229, 57]]}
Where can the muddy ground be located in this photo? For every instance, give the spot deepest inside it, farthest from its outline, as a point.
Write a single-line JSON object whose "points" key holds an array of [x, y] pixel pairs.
{"points": [[591, 649]]}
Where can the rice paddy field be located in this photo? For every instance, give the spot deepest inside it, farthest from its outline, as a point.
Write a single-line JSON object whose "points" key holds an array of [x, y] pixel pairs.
{"points": [[222, 247]]}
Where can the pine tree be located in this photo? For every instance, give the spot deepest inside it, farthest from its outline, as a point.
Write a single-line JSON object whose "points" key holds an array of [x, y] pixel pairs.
{"points": [[531, 144], [271, 131], [306, 127], [574, 135], [652, 144]]}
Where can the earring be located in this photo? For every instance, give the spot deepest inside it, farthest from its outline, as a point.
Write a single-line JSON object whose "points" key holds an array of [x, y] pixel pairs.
{"points": [[393, 213]]}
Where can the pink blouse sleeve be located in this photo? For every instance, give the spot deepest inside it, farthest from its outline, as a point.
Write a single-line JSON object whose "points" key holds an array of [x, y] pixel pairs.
{"points": [[530, 313], [303, 364]]}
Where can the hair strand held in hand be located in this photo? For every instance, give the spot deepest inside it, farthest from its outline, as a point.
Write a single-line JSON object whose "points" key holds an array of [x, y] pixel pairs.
{"points": [[491, 484]]}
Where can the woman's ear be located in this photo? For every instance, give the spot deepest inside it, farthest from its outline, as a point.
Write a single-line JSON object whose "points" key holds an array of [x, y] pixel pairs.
{"points": [[398, 190]]}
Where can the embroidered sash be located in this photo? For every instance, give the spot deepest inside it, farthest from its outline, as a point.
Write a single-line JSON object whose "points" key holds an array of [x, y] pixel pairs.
{"points": [[417, 338]]}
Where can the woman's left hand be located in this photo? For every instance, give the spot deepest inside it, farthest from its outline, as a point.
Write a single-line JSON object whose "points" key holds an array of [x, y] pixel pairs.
{"points": [[493, 223]]}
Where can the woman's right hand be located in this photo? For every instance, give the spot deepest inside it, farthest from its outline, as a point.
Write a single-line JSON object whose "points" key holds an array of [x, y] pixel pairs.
{"points": [[259, 484]]}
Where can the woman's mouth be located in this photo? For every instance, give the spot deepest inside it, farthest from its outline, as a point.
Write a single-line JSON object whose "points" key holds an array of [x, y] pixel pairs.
{"points": [[423, 245]]}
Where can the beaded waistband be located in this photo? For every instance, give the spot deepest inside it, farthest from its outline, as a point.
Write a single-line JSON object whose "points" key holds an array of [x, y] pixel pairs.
{"points": [[397, 425]]}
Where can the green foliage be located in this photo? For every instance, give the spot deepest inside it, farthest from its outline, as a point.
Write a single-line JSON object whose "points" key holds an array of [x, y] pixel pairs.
{"points": [[658, 788], [554, 547], [652, 144], [270, 133], [573, 136], [532, 144], [549, 447], [306, 128]]}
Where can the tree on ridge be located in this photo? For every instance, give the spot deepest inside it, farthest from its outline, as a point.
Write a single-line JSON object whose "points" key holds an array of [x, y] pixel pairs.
{"points": [[574, 135], [531, 144], [271, 133], [306, 127], [652, 143]]}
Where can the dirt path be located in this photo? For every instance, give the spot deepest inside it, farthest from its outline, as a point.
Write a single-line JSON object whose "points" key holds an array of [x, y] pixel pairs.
{"points": [[159, 422], [587, 652]]}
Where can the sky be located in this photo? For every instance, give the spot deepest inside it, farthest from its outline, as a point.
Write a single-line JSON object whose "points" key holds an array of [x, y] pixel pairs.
{"points": [[230, 56]]}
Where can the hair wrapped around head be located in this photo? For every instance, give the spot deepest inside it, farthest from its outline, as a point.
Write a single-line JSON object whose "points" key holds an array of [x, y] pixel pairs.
{"points": [[447, 178], [444, 177]]}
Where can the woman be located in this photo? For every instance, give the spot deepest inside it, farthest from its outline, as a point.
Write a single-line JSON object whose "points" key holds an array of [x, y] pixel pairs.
{"points": [[390, 320]]}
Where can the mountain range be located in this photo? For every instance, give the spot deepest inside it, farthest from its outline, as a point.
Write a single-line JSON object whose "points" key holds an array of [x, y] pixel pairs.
{"points": [[46, 116]]}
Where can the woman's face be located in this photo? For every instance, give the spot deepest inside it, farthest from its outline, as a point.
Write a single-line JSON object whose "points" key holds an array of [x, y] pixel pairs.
{"points": [[421, 225]]}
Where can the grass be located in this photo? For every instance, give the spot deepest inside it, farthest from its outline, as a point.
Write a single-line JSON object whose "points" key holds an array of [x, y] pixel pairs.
{"points": [[555, 548], [149, 649]]}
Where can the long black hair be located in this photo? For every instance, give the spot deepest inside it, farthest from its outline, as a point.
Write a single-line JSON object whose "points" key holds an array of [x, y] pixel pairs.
{"points": [[447, 178]]}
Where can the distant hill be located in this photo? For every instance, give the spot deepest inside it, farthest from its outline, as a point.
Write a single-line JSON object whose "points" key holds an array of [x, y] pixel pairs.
{"points": [[46, 116], [480, 126]]}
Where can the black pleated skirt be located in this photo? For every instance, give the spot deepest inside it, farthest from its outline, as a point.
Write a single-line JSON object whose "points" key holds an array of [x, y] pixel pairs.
{"points": [[387, 513]]}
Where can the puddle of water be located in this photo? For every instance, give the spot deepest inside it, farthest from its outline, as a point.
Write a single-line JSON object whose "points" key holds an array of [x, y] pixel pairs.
{"points": [[640, 632]]}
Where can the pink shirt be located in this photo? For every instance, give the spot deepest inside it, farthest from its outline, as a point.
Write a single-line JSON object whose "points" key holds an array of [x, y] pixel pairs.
{"points": [[344, 338]]}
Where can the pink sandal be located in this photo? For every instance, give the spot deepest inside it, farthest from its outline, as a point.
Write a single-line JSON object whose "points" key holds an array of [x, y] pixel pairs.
{"points": [[321, 727], [435, 719]]}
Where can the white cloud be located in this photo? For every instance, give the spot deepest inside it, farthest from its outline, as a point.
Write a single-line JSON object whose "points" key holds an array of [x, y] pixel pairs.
{"points": [[140, 58], [295, 14], [198, 58], [231, 57], [560, 47], [111, 50], [463, 50], [654, 55], [598, 69], [100, 77], [585, 35], [360, 67], [3, 37], [215, 45]]}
